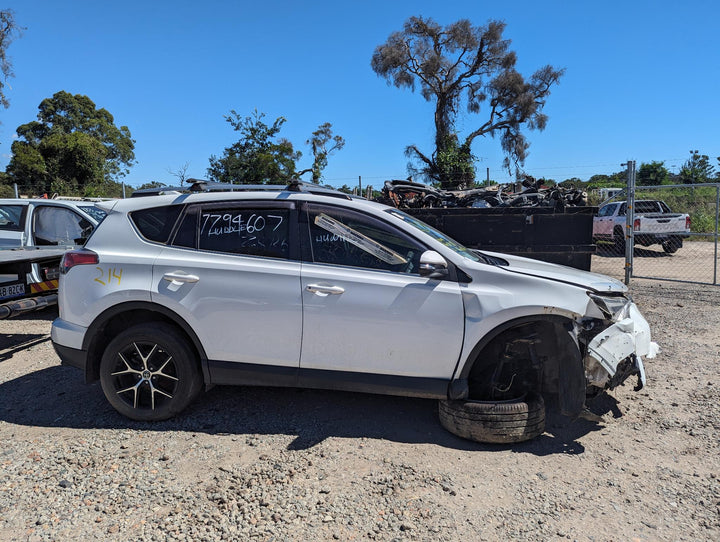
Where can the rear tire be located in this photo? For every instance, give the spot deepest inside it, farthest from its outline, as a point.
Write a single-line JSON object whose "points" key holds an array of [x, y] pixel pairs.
{"points": [[149, 372], [495, 422], [619, 241], [672, 245]]}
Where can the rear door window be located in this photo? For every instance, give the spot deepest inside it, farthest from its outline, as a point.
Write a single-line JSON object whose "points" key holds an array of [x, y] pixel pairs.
{"points": [[252, 231]]}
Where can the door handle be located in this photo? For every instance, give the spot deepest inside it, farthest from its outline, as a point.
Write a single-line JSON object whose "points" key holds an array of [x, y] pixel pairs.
{"points": [[178, 277], [322, 291]]}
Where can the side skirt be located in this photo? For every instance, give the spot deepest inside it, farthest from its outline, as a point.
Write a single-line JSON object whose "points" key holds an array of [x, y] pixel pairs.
{"points": [[249, 374]]}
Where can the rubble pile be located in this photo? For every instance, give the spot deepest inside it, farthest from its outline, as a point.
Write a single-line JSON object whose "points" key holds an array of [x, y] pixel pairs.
{"points": [[528, 193]]}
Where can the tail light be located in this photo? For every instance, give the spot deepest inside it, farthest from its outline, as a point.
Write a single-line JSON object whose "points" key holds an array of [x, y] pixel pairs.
{"points": [[77, 257], [687, 222], [636, 225]]}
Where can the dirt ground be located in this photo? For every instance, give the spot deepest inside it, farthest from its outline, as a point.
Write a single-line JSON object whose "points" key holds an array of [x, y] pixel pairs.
{"points": [[696, 261], [279, 464]]}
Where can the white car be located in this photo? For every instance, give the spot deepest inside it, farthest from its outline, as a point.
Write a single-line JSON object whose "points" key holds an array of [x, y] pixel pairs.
{"points": [[39, 222], [311, 288], [31, 223]]}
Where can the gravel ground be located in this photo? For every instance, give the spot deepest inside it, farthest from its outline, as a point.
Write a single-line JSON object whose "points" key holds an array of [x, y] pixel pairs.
{"points": [[279, 464]]}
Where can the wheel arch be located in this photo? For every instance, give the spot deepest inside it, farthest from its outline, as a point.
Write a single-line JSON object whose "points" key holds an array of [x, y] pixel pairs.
{"points": [[118, 317], [566, 374]]}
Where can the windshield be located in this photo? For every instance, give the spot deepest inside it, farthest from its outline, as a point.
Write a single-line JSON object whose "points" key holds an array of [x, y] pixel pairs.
{"points": [[95, 212], [437, 235]]}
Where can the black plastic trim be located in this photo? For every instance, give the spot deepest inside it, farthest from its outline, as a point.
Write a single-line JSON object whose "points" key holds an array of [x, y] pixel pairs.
{"points": [[71, 356], [249, 374]]}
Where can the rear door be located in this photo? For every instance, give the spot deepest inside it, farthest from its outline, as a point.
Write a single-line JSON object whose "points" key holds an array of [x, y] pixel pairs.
{"points": [[233, 272]]}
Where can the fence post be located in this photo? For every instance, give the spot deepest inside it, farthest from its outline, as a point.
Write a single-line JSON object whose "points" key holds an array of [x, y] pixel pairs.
{"points": [[629, 220], [717, 220]]}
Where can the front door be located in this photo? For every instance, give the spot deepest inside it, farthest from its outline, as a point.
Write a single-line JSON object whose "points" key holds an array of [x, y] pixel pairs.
{"points": [[366, 309]]}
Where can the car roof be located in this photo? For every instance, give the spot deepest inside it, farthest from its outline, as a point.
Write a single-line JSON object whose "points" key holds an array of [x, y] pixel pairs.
{"points": [[132, 204], [46, 201]]}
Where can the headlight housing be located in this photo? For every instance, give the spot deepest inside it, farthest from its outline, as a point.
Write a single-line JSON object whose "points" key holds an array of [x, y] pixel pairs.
{"points": [[614, 308]]}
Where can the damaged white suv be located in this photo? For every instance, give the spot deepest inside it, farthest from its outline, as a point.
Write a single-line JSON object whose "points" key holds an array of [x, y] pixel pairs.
{"points": [[311, 288]]}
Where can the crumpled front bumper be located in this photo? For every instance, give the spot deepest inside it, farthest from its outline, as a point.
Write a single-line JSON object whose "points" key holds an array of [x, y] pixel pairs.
{"points": [[616, 353]]}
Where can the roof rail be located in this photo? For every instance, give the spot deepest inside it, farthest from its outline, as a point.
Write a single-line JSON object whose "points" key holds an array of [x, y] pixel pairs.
{"points": [[296, 185], [79, 198], [203, 185]]}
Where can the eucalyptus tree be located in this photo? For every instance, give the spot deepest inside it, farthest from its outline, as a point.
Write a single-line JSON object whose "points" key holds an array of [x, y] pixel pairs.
{"points": [[464, 67]]}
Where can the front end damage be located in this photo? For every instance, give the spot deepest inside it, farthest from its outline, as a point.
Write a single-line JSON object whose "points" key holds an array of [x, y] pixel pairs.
{"points": [[615, 337]]}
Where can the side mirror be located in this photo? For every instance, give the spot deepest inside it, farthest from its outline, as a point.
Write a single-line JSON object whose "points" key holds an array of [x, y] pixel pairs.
{"points": [[433, 266]]}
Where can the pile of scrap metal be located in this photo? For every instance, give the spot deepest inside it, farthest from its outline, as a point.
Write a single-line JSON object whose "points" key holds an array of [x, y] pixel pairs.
{"points": [[528, 193]]}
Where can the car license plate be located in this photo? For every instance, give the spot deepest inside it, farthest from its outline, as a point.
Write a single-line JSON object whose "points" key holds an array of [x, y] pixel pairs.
{"points": [[12, 290]]}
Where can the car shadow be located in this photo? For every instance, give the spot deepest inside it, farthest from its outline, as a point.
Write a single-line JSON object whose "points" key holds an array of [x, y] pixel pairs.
{"points": [[609, 251], [12, 343], [57, 397]]}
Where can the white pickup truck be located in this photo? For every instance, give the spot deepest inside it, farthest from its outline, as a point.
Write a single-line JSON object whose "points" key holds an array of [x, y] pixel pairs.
{"points": [[654, 224]]}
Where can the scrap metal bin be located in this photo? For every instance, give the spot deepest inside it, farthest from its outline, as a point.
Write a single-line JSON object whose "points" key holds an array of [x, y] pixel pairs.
{"points": [[534, 232]]}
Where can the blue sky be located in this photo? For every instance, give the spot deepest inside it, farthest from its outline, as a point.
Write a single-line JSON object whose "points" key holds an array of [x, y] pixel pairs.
{"points": [[642, 79]]}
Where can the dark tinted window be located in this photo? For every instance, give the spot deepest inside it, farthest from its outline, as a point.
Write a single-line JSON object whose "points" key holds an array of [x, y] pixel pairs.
{"points": [[255, 232], [607, 210], [345, 237], [186, 234], [646, 207], [156, 224]]}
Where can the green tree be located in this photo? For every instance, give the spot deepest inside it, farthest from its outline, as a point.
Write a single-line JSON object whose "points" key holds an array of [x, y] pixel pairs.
{"points": [[6, 190], [571, 182], [258, 157], [151, 184], [652, 174], [697, 169], [9, 30], [598, 180], [323, 143], [462, 64], [73, 148]]}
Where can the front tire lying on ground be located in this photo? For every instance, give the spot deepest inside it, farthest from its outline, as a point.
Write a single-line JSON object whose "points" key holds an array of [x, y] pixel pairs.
{"points": [[149, 372], [500, 422]]}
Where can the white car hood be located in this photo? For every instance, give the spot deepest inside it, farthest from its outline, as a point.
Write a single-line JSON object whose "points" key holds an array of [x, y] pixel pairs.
{"points": [[560, 273]]}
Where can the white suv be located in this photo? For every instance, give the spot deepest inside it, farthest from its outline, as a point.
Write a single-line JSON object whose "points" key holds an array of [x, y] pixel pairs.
{"points": [[311, 288]]}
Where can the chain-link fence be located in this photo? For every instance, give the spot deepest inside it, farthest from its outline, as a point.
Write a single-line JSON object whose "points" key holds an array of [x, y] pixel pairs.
{"points": [[659, 232]]}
